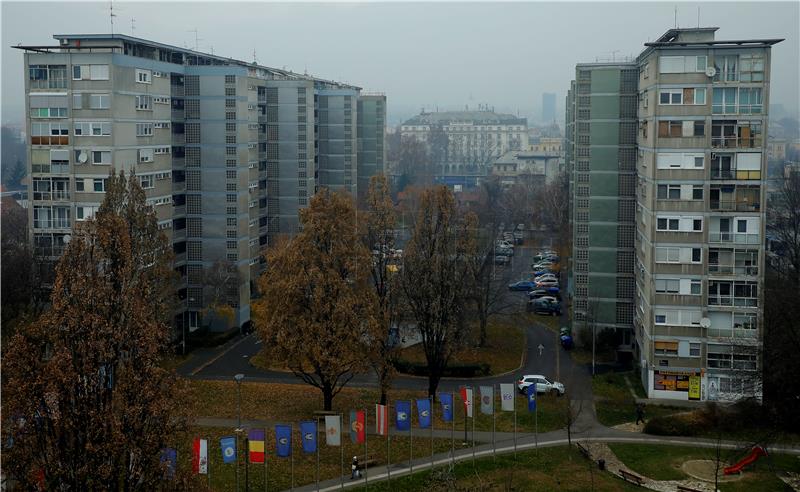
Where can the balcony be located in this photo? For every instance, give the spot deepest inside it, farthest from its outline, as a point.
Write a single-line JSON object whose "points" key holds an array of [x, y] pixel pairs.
{"points": [[740, 333], [728, 269], [734, 237], [733, 206], [59, 223], [720, 300], [58, 195], [719, 173]]}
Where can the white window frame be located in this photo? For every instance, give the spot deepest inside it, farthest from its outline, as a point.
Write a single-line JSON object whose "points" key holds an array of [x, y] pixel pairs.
{"points": [[143, 103], [144, 76], [146, 181], [92, 128], [103, 100], [146, 155], [105, 157], [144, 129]]}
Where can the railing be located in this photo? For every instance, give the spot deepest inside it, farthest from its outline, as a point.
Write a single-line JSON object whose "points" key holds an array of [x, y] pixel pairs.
{"points": [[733, 142], [732, 333], [734, 237], [58, 223], [734, 206], [719, 269], [717, 300], [51, 195], [717, 173], [49, 140]]}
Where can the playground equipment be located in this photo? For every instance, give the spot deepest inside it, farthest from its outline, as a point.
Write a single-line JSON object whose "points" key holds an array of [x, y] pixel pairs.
{"points": [[752, 456]]}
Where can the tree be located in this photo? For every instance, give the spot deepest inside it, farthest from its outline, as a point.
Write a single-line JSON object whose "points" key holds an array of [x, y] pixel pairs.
{"points": [[555, 211], [20, 293], [379, 238], [90, 406], [317, 307], [434, 269], [220, 290]]}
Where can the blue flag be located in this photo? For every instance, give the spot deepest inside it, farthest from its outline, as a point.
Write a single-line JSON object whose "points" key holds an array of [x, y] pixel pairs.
{"points": [[169, 460], [228, 446], [530, 391], [446, 400], [403, 412], [424, 413], [308, 433], [283, 440]]}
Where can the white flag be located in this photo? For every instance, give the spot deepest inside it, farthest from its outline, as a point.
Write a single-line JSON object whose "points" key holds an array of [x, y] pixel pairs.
{"points": [[487, 400], [333, 430], [507, 397]]}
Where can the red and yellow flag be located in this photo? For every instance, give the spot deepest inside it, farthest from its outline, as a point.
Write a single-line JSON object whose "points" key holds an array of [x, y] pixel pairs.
{"points": [[255, 439]]}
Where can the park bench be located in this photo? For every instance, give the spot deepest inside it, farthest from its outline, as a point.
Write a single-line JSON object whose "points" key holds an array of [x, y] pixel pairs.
{"points": [[685, 488], [584, 450], [631, 477]]}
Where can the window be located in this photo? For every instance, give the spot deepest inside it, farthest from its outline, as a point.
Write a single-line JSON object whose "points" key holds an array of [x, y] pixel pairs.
{"points": [[697, 255], [87, 129], [670, 129], [699, 128], [750, 100], [99, 101], [144, 129], [146, 181], [724, 100], [143, 103], [90, 72], [99, 185], [694, 350], [695, 287], [84, 212], [741, 226], [751, 68], [678, 160], [143, 76], [664, 224], [669, 97], [666, 348], [697, 192], [230, 198], [682, 64], [669, 192], [77, 101], [146, 155], [668, 286], [101, 157]]}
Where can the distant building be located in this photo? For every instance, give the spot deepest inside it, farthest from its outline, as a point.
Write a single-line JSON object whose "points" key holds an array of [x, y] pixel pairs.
{"points": [[548, 107], [776, 148], [528, 167], [467, 142], [371, 136]]}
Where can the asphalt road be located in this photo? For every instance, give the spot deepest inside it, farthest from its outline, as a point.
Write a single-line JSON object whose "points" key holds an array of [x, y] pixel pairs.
{"points": [[234, 358]]}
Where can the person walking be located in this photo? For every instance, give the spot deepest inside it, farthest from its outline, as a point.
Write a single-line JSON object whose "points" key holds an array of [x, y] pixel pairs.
{"points": [[639, 413], [354, 473]]}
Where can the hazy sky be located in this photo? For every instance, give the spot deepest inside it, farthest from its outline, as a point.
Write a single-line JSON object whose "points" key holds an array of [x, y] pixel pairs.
{"points": [[420, 54]]}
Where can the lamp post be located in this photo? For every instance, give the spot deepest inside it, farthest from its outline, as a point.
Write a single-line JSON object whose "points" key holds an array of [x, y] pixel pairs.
{"points": [[238, 378], [183, 342]]}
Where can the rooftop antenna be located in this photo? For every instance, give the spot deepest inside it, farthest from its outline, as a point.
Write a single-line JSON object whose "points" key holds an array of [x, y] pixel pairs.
{"points": [[614, 55], [211, 47], [111, 15], [255, 60], [698, 17], [676, 16], [133, 25], [196, 39]]}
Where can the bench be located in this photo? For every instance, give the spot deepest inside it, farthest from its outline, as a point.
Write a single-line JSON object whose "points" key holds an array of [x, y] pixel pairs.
{"points": [[684, 488], [584, 450], [631, 477]]}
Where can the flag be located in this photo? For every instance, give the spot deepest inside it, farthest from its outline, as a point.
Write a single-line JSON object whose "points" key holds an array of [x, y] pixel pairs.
{"points": [[283, 440], [169, 460], [466, 395], [531, 392], [357, 430], [381, 419], [446, 400], [424, 413], [333, 430], [507, 397], [256, 438], [487, 400], [200, 456], [308, 434], [403, 413], [228, 446]]}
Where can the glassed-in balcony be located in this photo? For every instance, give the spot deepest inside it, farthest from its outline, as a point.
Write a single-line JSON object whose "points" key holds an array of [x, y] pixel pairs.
{"points": [[733, 293]]}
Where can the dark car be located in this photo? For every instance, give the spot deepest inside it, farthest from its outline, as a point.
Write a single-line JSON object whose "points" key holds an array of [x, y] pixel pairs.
{"points": [[526, 285], [547, 291], [545, 306]]}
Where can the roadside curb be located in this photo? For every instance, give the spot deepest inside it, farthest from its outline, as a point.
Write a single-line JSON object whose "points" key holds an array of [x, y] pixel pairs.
{"points": [[216, 357]]}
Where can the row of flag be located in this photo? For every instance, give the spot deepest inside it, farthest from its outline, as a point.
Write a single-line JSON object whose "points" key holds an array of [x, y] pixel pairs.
{"points": [[333, 429]]}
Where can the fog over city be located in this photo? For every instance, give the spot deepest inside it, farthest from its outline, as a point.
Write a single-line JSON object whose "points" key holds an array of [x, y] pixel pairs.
{"points": [[431, 55]]}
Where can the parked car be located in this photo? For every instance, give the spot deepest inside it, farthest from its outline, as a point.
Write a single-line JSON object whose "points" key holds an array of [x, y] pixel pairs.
{"points": [[543, 384], [503, 244], [520, 227], [547, 291], [545, 305], [501, 260], [504, 252], [525, 285], [551, 282], [542, 265], [544, 276]]}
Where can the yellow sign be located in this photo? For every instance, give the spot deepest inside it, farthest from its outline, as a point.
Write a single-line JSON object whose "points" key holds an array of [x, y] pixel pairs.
{"points": [[694, 387]]}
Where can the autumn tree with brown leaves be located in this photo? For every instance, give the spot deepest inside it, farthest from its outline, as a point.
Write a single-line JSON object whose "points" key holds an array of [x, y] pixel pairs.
{"points": [[316, 309], [433, 278], [86, 405], [378, 234]]}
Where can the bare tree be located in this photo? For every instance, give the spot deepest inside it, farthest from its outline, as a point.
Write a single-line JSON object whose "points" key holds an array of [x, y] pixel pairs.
{"points": [[220, 291], [434, 267]]}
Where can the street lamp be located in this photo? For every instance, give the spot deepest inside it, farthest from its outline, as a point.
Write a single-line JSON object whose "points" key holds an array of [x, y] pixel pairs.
{"points": [[183, 342], [238, 378]]}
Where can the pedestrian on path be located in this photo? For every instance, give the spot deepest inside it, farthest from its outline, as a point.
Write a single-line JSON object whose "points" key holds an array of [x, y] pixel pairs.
{"points": [[354, 473], [639, 413]]}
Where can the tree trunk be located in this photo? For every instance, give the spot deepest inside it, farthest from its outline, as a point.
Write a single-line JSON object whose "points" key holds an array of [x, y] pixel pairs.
{"points": [[483, 321], [327, 397], [434, 377]]}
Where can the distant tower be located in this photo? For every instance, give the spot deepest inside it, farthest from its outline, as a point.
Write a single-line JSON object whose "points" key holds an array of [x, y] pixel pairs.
{"points": [[548, 107]]}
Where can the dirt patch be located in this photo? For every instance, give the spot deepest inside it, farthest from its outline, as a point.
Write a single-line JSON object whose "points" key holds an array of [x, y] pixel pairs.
{"points": [[705, 469]]}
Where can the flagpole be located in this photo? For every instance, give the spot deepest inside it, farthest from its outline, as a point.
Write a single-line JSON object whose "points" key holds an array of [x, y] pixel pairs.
{"points": [[411, 435], [341, 453], [208, 462], [388, 445], [317, 442], [452, 428], [247, 463], [237, 460], [266, 463], [431, 405], [291, 451], [366, 448], [473, 427], [494, 445], [536, 426], [514, 396]]}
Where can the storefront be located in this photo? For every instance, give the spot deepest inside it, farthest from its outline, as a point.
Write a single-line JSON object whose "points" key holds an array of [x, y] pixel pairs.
{"points": [[676, 384]]}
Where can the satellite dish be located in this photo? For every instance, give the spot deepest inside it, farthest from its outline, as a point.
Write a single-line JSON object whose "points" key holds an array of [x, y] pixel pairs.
{"points": [[705, 322], [711, 71], [83, 157]]}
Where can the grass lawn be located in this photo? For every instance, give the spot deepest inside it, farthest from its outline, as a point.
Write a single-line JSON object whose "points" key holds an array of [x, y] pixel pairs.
{"points": [[223, 476], [614, 403], [294, 402], [505, 344], [664, 462], [557, 468], [172, 361]]}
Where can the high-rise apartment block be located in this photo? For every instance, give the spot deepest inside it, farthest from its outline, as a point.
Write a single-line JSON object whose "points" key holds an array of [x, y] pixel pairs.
{"points": [[227, 151], [700, 169], [548, 107], [371, 135]]}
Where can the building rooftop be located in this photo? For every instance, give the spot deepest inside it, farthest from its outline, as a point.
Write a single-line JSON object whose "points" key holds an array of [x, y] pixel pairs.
{"points": [[469, 117], [163, 52], [703, 36]]}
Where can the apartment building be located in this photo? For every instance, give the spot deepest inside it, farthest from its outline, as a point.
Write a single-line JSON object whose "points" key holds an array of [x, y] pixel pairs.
{"points": [[603, 168], [473, 139], [227, 151], [700, 168], [371, 136]]}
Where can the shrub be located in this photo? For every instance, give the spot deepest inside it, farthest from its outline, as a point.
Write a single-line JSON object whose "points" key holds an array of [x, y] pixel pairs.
{"points": [[453, 370], [682, 424]]}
